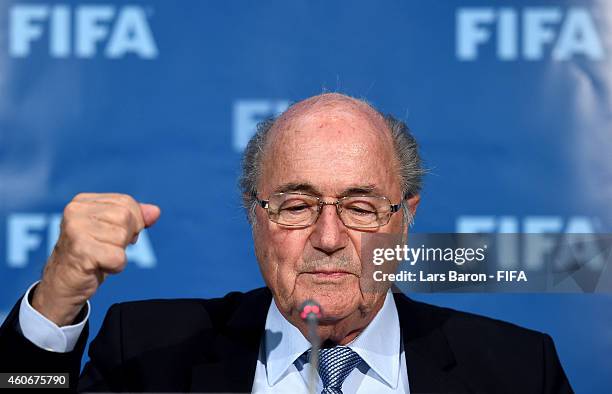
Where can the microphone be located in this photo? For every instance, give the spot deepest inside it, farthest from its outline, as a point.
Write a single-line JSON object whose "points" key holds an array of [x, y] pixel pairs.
{"points": [[311, 313]]}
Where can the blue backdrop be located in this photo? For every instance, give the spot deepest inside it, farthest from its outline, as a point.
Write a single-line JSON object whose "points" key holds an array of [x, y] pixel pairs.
{"points": [[510, 101]]}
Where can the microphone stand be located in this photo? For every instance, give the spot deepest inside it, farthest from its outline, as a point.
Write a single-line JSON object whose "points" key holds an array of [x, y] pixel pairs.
{"points": [[311, 312]]}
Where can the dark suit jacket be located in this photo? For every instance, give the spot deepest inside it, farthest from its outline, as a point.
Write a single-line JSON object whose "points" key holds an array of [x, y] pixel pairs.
{"points": [[212, 346]]}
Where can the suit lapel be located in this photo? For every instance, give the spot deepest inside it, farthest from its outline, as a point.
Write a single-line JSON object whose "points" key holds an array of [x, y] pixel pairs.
{"points": [[429, 359], [230, 366]]}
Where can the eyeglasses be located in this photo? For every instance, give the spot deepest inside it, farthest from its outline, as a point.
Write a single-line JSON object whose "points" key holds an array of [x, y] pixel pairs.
{"points": [[302, 210]]}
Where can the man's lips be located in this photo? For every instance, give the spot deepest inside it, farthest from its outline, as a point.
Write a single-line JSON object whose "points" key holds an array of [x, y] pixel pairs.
{"points": [[329, 274]]}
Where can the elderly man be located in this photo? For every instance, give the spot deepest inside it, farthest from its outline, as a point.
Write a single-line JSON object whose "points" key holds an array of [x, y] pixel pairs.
{"points": [[316, 181]]}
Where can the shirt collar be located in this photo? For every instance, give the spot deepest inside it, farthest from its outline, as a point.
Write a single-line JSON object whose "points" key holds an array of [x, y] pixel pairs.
{"points": [[378, 345], [284, 343]]}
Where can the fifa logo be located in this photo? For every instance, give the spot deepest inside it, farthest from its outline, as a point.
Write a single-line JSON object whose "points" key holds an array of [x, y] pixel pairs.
{"points": [[83, 31], [530, 34]]}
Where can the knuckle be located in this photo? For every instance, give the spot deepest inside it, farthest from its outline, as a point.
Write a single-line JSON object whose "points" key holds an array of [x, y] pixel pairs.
{"points": [[123, 234], [123, 215], [80, 196], [116, 258], [121, 257], [126, 199], [71, 209], [69, 227]]}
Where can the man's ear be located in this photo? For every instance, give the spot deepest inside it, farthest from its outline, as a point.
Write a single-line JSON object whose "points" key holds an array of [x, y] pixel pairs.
{"points": [[413, 203]]}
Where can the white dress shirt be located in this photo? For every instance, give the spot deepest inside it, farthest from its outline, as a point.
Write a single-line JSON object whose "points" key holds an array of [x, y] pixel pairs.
{"points": [[279, 366], [43, 332], [281, 370]]}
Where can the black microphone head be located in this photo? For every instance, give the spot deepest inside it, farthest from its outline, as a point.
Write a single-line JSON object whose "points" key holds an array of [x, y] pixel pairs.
{"points": [[311, 310]]}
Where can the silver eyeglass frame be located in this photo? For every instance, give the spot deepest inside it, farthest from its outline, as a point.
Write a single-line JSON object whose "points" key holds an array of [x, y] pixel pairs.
{"points": [[265, 204]]}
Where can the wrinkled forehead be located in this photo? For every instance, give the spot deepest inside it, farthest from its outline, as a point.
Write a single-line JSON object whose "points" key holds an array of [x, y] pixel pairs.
{"points": [[329, 107], [332, 149]]}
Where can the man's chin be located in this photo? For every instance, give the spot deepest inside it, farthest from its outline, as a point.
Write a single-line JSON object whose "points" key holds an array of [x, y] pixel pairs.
{"points": [[338, 297]]}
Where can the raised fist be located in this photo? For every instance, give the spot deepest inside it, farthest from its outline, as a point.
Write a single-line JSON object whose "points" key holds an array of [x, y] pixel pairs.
{"points": [[95, 230]]}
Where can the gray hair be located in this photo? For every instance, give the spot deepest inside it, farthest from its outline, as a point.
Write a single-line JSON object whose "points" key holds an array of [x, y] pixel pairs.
{"points": [[411, 170]]}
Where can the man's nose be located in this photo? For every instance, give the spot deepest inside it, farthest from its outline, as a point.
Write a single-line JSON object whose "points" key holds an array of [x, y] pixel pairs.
{"points": [[329, 234]]}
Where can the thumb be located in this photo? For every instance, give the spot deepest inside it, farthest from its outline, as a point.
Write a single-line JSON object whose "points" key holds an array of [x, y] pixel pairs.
{"points": [[150, 214]]}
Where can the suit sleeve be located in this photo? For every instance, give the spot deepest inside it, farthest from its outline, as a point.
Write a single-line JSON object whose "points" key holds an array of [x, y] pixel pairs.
{"points": [[105, 369], [555, 381], [18, 354]]}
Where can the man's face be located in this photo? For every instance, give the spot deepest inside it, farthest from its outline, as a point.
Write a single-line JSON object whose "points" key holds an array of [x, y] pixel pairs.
{"points": [[330, 154]]}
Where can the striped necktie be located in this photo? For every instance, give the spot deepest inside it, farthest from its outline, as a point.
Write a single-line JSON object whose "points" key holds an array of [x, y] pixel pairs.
{"points": [[335, 364]]}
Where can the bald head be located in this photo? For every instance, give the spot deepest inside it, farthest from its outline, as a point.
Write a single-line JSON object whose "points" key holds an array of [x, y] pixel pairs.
{"points": [[331, 124], [331, 105]]}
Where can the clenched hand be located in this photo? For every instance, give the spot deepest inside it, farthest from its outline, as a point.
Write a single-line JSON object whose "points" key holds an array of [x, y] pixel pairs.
{"points": [[95, 230]]}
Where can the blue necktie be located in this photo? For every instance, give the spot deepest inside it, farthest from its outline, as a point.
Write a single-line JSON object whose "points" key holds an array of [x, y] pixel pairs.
{"points": [[335, 364]]}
